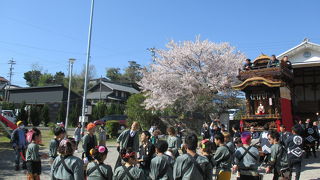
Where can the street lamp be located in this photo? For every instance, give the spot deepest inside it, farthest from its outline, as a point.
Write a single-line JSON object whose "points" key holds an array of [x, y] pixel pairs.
{"points": [[71, 61], [84, 99]]}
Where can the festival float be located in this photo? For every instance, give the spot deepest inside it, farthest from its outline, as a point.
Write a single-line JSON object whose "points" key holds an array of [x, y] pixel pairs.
{"points": [[268, 95]]}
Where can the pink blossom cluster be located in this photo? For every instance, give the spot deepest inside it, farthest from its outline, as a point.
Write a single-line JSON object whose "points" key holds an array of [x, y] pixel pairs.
{"points": [[188, 70]]}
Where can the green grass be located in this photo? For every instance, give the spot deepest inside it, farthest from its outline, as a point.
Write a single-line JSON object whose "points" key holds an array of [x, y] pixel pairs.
{"points": [[4, 142], [46, 135]]}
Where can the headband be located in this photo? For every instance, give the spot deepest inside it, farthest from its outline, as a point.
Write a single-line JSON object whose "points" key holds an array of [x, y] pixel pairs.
{"points": [[101, 149], [203, 143], [129, 155], [64, 142]]}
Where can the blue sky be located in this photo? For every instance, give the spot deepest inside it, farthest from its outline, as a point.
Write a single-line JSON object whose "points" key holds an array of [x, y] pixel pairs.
{"points": [[48, 33]]}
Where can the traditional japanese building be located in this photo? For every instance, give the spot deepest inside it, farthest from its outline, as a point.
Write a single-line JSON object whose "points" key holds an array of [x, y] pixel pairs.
{"points": [[305, 59]]}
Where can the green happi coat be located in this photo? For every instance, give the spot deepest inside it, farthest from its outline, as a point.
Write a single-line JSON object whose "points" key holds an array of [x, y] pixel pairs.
{"points": [[279, 158], [135, 172], [159, 165], [95, 175], [75, 164], [32, 153], [222, 159], [86, 139], [53, 148], [124, 137], [181, 170], [173, 144]]}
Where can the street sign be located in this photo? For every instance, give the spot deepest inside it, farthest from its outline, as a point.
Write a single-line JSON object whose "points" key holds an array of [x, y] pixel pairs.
{"points": [[83, 118], [88, 110]]}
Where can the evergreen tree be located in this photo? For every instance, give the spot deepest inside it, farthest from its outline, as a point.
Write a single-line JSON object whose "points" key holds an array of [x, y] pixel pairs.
{"points": [[45, 115], [74, 115], [135, 110], [99, 110], [34, 115], [61, 114]]}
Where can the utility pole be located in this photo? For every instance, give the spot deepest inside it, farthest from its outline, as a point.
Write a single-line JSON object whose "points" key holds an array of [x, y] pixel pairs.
{"points": [[11, 63], [71, 61], [100, 88], [84, 99]]}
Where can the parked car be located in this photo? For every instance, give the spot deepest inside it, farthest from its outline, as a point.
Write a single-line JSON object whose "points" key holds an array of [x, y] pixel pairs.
{"points": [[121, 118], [9, 114]]}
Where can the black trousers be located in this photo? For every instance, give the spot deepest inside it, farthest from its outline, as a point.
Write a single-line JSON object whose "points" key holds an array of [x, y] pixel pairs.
{"points": [[310, 147], [246, 177], [296, 165], [275, 175]]}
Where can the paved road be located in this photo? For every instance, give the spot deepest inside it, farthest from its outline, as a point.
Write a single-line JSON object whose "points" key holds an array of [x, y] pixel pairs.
{"points": [[310, 171]]}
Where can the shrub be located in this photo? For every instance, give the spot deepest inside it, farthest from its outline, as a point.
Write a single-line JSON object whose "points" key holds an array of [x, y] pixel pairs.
{"points": [[112, 128], [74, 116], [7, 105], [61, 114]]}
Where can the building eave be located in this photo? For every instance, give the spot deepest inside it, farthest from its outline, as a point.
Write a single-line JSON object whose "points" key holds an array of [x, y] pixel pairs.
{"points": [[304, 44]]}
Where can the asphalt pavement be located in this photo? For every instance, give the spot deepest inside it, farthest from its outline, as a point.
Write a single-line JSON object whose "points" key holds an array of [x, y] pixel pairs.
{"points": [[310, 167]]}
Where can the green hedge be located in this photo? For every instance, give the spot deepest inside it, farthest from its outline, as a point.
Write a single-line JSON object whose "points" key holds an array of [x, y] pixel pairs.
{"points": [[112, 128]]}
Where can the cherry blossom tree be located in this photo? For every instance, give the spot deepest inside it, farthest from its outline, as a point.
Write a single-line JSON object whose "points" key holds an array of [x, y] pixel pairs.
{"points": [[190, 74]]}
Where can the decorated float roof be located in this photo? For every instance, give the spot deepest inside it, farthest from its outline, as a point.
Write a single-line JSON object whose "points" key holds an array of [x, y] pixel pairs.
{"points": [[261, 60], [257, 81]]}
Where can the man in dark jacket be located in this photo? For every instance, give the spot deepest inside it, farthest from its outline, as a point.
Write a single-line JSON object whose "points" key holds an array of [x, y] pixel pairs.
{"points": [[146, 152], [311, 135], [284, 134], [294, 145], [274, 62]]}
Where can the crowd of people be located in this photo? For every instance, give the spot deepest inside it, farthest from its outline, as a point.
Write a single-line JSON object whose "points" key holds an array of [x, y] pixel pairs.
{"points": [[147, 155]]}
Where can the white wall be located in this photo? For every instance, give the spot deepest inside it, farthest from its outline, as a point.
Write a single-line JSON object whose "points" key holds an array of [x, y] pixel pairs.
{"points": [[299, 58]]}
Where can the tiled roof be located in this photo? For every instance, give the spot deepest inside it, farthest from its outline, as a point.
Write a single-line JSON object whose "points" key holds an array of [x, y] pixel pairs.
{"points": [[119, 87], [96, 95], [2, 79]]}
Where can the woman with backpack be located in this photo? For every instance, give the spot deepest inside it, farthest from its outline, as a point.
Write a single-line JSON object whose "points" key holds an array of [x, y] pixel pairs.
{"points": [[96, 169], [66, 166]]}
